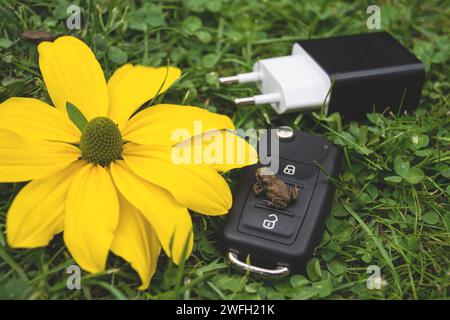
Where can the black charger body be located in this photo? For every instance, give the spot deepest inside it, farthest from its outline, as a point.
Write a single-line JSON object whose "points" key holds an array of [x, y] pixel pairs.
{"points": [[369, 72]]}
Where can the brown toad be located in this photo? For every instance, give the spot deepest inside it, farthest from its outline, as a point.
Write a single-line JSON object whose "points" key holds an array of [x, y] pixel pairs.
{"points": [[276, 190]]}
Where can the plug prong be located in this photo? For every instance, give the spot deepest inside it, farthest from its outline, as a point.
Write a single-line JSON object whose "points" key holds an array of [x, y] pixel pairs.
{"points": [[241, 78], [258, 99], [229, 80], [244, 101]]}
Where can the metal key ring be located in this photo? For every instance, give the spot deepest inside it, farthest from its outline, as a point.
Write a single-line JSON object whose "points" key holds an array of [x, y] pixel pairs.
{"points": [[271, 272]]}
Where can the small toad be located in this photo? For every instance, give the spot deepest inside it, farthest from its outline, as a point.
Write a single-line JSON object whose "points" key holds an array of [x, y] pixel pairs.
{"points": [[277, 191]]}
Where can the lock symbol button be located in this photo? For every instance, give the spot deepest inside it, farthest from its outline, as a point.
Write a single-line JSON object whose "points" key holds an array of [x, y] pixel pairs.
{"points": [[270, 223], [289, 169]]}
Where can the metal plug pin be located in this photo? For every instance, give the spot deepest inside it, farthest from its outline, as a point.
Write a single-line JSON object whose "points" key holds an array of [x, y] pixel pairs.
{"points": [[241, 78], [258, 99]]}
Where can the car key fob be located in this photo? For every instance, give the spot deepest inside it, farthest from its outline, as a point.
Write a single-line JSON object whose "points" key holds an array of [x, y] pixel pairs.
{"points": [[277, 220]]}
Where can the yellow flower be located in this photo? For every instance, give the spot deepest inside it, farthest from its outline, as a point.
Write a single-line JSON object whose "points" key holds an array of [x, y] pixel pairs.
{"points": [[113, 185]]}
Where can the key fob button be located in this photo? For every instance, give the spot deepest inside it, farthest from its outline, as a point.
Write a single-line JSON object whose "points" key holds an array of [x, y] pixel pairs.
{"points": [[298, 171], [270, 223]]}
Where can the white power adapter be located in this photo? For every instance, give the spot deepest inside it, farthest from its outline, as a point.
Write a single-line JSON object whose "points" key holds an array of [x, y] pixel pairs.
{"points": [[290, 83], [353, 75]]}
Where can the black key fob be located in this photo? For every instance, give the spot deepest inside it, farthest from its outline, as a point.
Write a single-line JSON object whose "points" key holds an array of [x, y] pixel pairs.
{"points": [[277, 224]]}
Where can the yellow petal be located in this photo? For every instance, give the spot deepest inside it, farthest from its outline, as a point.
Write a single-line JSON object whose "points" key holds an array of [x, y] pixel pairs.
{"points": [[37, 212], [220, 149], [170, 220], [23, 160], [167, 124], [195, 186], [136, 242], [34, 119], [91, 217], [131, 86], [72, 73]]}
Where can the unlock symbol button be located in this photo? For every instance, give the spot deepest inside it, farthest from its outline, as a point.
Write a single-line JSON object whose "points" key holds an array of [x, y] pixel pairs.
{"points": [[267, 224], [270, 223]]}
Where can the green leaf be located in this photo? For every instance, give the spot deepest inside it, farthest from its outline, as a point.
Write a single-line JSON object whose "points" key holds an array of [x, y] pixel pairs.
{"points": [[99, 41], [446, 173], [393, 179], [376, 119], [365, 198], [209, 60], [415, 175], [298, 281], [192, 23], [339, 211], [423, 152], [327, 254], [367, 257], [313, 269], [305, 293], [5, 43], [147, 17], [14, 289], [214, 5], [447, 220], [324, 288], [233, 283], [196, 5], [439, 57], [204, 36], [431, 217], [117, 55], [423, 49], [403, 169], [333, 224], [155, 16], [419, 141], [330, 251], [76, 116], [212, 78], [274, 295], [344, 234], [337, 267], [372, 191]]}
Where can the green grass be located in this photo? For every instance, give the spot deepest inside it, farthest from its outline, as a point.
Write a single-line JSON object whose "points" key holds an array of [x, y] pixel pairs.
{"points": [[391, 207]]}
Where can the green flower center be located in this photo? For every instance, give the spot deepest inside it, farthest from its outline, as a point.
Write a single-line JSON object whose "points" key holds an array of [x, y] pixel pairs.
{"points": [[101, 141]]}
